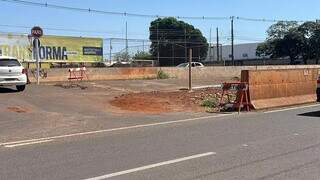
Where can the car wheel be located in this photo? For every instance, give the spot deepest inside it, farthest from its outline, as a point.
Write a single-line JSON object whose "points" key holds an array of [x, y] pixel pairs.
{"points": [[21, 87]]}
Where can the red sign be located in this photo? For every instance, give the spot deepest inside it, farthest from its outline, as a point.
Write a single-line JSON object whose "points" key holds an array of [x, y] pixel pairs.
{"points": [[36, 32]]}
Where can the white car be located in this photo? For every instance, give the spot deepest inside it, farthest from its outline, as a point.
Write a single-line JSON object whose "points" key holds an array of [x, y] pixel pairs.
{"points": [[12, 73], [193, 64]]}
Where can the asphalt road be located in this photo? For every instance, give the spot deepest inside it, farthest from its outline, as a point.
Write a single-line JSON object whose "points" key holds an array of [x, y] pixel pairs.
{"points": [[275, 145]]}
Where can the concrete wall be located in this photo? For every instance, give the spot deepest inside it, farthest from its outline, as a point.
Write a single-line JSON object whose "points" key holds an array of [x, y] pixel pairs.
{"points": [[62, 74], [276, 88], [224, 72]]}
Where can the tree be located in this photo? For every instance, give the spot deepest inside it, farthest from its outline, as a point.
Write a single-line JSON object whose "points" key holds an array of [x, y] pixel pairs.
{"points": [[291, 46], [284, 40], [122, 56], [265, 49], [280, 29], [141, 55], [168, 37], [307, 30], [315, 44], [288, 39], [311, 32]]}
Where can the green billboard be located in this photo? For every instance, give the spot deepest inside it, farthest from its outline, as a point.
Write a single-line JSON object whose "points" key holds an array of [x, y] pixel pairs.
{"points": [[53, 48], [15, 45]]}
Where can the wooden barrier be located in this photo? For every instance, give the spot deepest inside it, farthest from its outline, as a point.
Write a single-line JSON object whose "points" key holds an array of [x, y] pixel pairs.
{"points": [[276, 88]]}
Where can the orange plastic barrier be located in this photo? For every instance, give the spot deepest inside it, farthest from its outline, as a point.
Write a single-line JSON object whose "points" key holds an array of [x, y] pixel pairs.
{"points": [[276, 88]]}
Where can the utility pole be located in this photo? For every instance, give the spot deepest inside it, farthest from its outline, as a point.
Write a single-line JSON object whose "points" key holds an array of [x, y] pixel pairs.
{"points": [[127, 41], [110, 56], [232, 40], [218, 51], [185, 45], [158, 55], [143, 45], [190, 72], [210, 47]]}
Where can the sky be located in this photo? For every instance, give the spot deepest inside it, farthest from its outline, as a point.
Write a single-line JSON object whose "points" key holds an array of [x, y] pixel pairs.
{"points": [[113, 26]]}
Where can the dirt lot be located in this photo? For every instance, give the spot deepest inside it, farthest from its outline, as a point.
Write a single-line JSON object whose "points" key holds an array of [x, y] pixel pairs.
{"points": [[163, 102], [53, 109]]}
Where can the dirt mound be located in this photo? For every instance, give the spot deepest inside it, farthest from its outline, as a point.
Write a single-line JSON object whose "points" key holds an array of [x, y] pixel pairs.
{"points": [[18, 109], [161, 102]]}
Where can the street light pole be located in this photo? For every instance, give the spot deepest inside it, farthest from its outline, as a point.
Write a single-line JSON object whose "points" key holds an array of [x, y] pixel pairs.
{"points": [[218, 51], [232, 40]]}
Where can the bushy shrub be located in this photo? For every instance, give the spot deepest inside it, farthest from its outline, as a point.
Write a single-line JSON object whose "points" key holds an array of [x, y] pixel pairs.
{"points": [[210, 103], [162, 75]]}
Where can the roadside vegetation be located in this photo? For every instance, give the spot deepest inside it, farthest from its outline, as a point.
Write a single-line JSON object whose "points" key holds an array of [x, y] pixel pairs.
{"points": [[211, 104], [293, 40], [170, 37], [162, 75], [141, 55]]}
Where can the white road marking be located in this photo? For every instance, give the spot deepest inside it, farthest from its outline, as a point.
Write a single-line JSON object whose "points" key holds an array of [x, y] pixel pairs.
{"points": [[245, 145], [296, 134], [27, 143], [151, 166], [293, 108], [114, 129], [139, 126]]}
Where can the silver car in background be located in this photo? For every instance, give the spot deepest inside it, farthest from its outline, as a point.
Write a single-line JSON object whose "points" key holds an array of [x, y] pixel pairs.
{"points": [[193, 64], [12, 73]]}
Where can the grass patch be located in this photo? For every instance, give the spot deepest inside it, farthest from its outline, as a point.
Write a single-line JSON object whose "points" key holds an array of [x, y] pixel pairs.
{"points": [[162, 75], [210, 103]]}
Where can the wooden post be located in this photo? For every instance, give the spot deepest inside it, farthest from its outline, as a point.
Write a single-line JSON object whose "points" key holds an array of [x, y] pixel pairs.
{"points": [[190, 67]]}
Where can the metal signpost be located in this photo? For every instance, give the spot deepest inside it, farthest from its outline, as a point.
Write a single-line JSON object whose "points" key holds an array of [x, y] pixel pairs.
{"points": [[36, 33]]}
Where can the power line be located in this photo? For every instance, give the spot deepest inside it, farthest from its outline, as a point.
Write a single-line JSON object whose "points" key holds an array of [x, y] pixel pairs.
{"points": [[267, 20], [67, 29], [161, 31], [125, 14]]}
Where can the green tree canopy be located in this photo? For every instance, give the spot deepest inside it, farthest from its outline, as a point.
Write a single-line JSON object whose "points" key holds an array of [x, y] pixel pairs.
{"points": [[315, 44], [168, 37], [289, 39], [311, 35], [122, 56], [141, 55], [280, 29], [284, 40]]}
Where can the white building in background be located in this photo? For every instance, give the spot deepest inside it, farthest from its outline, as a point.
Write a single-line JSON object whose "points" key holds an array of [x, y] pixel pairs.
{"points": [[241, 52]]}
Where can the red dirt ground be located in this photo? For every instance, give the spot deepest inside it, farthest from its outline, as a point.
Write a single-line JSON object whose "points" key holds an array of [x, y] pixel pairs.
{"points": [[18, 109], [162, 102]]}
